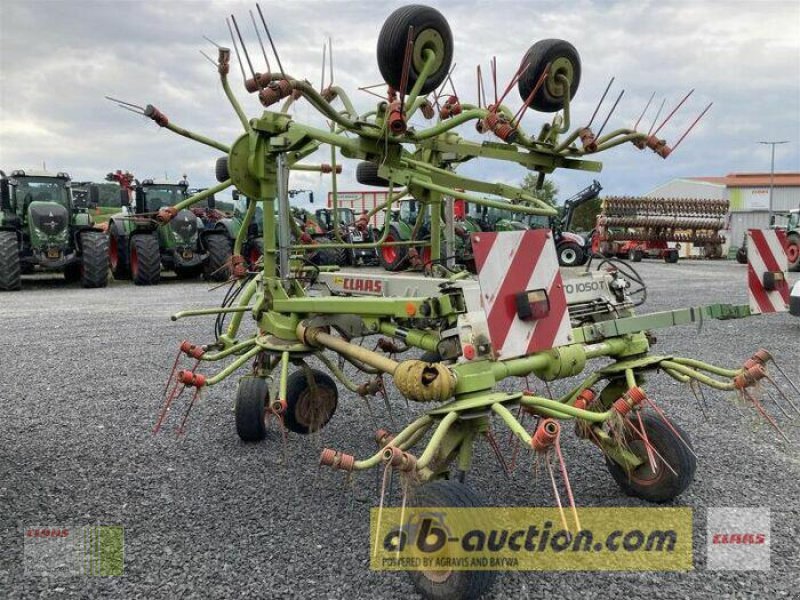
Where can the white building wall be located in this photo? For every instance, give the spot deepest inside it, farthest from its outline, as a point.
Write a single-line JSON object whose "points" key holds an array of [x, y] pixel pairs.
{"points": [[686, 188]]}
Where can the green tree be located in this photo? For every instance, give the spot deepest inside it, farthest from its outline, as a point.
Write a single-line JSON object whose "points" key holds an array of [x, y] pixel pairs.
{"points": [[548, 193]]}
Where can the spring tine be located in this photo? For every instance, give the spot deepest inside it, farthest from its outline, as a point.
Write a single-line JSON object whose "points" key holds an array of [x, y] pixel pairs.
{"points": [[658, 113], [780, 391], [274, 50], [521, 112], [514, 80], [643, 436], [599, 104], [330, 58], [646, 441], [322, 76], [386, 471], [498, 454], [478, 76], [700, 403], [404, 488], [611, 112], [705, 110], [244, 51], [406, 67], [195, 396], [212, 42], [556, 495], [567, 485], [208, 58], [165, 407], [653, 95], [674, 110], [172, 372], [787, 378], [780, 406], [669, 424], [494, 77], [260, 42], [124, 103], [236, 49], [764, 413]]}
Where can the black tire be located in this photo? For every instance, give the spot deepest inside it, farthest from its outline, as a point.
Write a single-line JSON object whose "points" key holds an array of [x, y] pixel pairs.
{"points": [[664, 485], [221, 169], [793, 251], [307, 413], [118, 255], [393, 257], [367, 174], [94, 259], [72, 273], [671, 256], [741, 255], [145, 258], [330, 256], [635, 255], [10, 272], [185, 273], [430, 31], [217, 267], [455, 585], [250, 409], [563, 58], [570, 254]]}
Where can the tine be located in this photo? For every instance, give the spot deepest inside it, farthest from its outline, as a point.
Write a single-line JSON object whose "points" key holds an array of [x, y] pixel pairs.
{"points": [[124, 103], [660, 108], [209, 40], [599, 104], [208, 58], [260, 43], [787, 378], [556, 495], [705, 110], [611, 112], [271, 43], [653, 95], [674, 110], [236, 49], [244, 51]]}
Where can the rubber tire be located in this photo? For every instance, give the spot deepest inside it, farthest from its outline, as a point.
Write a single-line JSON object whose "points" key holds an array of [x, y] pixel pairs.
{"points": [[94, 259], [330, 257], [671, 256], [392, 46], [186, 273], [461, 585], [10, 271], [741, 256], [538, 57], [122, 270], [72, 273], [221, 169], [250, 409], [635, 255], [367, 174], [145, 260], [217, 267], [794, 239], [579, 256], [401, 252], [296, 388], [666, 486]]}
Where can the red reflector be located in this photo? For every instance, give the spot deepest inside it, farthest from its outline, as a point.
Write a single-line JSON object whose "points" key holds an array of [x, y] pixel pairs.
{"points": [[532, 305]]}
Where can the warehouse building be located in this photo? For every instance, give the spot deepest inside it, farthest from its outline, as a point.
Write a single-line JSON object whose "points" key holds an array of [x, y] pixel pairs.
{"points": [[747, 193]]}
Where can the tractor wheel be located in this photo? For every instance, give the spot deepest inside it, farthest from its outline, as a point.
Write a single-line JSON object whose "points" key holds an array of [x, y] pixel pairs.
{"points": [[448, 585], [186, 273], [219, 257], [10, 273], [250, 407], [741, 255], [72, 273], [393, 257], [94, 260], [255, 251], [570, 254], [671, 256], [367, 174], [145, 260], [635, 255], [308, 409], [330, 256], [116, 259], [431, 31], [563, 59], [221, 169], [662, 485], [793, 251]]}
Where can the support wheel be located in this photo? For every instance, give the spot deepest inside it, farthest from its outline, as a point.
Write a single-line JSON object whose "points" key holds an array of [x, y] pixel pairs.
{"points": [[393, 257], [94, 260], [145, 260], [431, 32], [309, 404], [367, 174], [563, 59], [10, 273], [221, 169], [250, 407], [219, 257], [662, 485], [450, 585], [570, 254]]}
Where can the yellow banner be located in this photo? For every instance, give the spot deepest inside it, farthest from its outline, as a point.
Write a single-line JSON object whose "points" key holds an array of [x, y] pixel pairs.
{"points": [[531, 539]]}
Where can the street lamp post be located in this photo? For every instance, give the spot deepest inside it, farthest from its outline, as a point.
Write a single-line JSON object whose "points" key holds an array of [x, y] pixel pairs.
{"points": [[772, 178]]}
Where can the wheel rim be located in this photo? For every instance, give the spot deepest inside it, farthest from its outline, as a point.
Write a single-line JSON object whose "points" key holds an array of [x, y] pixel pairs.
{"points": [[644, 475], [425, 256], [429, 39], [254, 256], [568, 256], [793, 252], [134, 261], [313, 411], [113, 253], [389, 252], [437, 576]]}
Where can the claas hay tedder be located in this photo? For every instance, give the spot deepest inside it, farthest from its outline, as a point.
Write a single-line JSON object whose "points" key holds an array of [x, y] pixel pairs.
{"points": [[518, 318]]}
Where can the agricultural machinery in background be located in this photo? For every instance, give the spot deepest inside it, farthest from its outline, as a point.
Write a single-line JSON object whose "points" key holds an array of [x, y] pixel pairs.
{"points": [[573, 249], [352, 230], [42, 229], [637, 228], [517, 318], [140, 244], [105, 198], [792, 229]]}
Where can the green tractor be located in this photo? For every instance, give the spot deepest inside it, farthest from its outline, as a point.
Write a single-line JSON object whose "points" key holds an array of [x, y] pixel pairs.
{"points": [[42, 229], [352, 230], [101, 199], [792, 229], [140, 243]]}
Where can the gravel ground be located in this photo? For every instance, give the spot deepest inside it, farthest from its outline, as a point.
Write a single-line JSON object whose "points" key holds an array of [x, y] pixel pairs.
{"points": [[208, 516]]}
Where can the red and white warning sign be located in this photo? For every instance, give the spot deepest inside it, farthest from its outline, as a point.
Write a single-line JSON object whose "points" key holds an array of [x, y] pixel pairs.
{"points": [[521, 291], [767, 264]]}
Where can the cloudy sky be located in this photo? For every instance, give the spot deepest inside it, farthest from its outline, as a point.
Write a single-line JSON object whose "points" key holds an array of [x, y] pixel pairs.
{"points": [[59, 58]]}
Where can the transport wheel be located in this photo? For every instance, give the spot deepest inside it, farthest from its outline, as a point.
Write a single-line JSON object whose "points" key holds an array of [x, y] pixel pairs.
{"points": [[393, 257], [367, 174], [450, 585], [10, 273], [563, 59], [221, 169], [251, 403], [145, 260], [671, 256], [116, 260], [793, 251], [217, 267], [570, 254], [741, 255], [431, 31], [662, 485], [309, 408], [93, 270]]}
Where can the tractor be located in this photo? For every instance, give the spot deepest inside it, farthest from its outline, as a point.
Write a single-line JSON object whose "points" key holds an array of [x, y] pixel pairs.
{"points": [[41, 228], [792, 229], [573, 249], [140, 242], [351, 230]]}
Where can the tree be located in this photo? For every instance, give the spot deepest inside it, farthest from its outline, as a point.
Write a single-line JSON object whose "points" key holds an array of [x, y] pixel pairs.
{"points": [[548, 193]]}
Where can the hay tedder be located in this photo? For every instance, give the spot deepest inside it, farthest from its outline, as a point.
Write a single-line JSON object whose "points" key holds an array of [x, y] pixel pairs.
{"points": [[517, 318]]}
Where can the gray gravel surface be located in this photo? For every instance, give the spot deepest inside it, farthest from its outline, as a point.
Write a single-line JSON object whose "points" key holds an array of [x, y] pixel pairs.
{"points": [[207, 516]]}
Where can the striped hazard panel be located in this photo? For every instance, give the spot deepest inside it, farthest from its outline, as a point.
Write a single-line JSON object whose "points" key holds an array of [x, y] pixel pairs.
{"points": [[513, 263], [767, 263]]}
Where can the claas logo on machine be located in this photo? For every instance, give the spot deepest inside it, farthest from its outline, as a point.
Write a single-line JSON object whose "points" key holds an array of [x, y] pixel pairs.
{"points": [[357, 284]]}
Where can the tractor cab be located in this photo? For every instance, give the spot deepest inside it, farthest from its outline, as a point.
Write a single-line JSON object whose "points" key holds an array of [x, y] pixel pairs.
{"points": [[347, 218], [40, 202], [152, 196]]}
